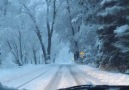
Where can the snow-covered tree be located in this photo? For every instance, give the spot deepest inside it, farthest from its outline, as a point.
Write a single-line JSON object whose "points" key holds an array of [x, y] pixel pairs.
{"points": [[113, 34], [79, 25]]}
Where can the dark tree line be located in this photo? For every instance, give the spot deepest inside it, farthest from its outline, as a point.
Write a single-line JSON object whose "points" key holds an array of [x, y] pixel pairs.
{"points": [[112, 34]]}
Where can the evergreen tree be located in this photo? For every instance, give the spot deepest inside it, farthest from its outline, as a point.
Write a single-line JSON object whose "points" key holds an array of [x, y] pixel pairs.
{"points": [[113, 34]]}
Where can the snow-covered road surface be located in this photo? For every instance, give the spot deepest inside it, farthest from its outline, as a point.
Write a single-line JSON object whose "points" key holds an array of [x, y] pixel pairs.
{"points": [[55, 76]]}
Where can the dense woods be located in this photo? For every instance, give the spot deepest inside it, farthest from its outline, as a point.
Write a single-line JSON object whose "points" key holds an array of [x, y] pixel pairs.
{"points": [[32, 32]]}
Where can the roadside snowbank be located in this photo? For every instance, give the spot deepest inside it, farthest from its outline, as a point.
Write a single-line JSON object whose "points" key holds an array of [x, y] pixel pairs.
{"points": [[109, 78], [9, 74], [6, 88]]}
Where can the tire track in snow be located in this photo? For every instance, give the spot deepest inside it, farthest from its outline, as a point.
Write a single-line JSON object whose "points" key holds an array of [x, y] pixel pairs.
{"points": [[33, 78], [54, 82], [90, 78], [67, 79], [75, 75]]}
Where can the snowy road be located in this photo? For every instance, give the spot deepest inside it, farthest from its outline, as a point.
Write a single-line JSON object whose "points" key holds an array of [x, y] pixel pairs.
{"points": [[51, 77]]}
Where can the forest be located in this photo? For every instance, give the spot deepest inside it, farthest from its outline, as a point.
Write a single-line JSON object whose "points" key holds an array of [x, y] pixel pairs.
{"points": [[35, 31]]}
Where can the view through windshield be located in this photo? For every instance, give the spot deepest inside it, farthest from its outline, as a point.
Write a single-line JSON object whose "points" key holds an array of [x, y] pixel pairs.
{"points": [[57, 44]]}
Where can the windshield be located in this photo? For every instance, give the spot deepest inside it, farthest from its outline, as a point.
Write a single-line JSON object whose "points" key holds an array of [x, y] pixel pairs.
{"points": [[56, 44]]}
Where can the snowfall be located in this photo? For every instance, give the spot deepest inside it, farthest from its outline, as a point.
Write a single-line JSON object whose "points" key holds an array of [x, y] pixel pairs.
{"points": [[55, 76]]}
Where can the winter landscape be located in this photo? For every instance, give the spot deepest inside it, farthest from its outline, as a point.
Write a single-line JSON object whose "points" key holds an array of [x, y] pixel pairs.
{"points": [[55, 44]]}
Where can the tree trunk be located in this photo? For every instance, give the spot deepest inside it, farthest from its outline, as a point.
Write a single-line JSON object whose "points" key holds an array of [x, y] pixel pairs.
{"points": [[76, 54], [35, 60], [20, 45], [37, 32], [43, 47], [49, 47], [50, 27], [18, 62]]}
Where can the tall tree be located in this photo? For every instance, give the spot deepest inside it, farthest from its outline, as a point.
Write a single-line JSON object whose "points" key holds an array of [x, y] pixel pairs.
{"points": [[113, 33], [37, 31], [16, 48], [52, 9], [74, 31]]}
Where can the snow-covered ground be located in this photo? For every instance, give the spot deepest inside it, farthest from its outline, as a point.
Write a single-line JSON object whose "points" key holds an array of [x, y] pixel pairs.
{"points": [[54, 76], [109, 78]]}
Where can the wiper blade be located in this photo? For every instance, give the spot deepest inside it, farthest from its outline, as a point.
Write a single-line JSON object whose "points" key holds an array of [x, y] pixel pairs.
{"points": [[98, 87]]}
